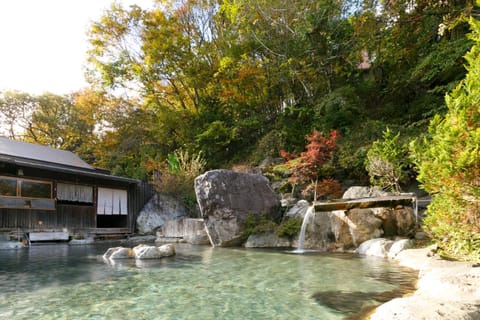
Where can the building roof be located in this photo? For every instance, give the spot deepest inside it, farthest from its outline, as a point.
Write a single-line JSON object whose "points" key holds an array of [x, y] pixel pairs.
{"points": [[41, 153], [37, 156]]}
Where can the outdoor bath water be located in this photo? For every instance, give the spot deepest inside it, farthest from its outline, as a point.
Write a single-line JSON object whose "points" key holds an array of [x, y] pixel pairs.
{"points": [[73, 282]]}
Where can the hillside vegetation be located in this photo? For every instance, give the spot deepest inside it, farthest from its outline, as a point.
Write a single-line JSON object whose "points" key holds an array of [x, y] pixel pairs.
{"points": [[234, 82]]}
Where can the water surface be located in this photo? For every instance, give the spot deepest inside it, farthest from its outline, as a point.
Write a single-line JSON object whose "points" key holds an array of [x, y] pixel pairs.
{"points": [[73, 282]]}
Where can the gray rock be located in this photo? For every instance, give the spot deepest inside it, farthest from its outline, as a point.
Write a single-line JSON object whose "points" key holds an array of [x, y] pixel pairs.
{"points": [[226, 198], [298, 210], [445, 290], [266, 240], [157, 211], [118, 253], [375, 247], [364, 225], [363, 192], [190, 230], [398, 246], [143, 251]]}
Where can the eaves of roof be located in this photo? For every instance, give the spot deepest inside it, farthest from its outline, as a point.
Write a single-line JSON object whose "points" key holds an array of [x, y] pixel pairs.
{"points": [[65, 169]]}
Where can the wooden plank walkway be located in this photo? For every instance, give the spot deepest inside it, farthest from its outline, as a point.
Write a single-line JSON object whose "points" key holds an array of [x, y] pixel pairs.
{"points": [[362, 203]]}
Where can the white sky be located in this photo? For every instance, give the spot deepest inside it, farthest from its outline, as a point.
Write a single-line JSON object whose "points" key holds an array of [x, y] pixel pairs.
{"points": [[43, 43]]}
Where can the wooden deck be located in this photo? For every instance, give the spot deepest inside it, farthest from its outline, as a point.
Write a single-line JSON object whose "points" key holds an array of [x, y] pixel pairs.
{"points": [[362, 203]]}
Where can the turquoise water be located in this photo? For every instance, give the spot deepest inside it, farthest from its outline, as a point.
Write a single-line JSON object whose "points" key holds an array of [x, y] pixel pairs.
{"points": [[73, 282]]}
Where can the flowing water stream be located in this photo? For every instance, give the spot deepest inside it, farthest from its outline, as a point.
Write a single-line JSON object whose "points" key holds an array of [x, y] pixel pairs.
{"points": [[73, 282]]}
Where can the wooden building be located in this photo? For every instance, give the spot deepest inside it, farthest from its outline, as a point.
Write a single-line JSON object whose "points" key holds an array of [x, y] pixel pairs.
{"points": [[51, 191]]}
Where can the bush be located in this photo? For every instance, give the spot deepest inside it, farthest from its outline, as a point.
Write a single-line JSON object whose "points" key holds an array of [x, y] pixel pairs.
{"points": [[386, 162], [290, 228], [449, 165], [177, 177]]}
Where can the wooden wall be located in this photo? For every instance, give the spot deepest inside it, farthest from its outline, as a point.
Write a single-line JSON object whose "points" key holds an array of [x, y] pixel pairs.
{"points": [[66, 216]]}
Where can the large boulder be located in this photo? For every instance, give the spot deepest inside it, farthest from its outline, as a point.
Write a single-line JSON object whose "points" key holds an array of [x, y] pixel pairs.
{"points": [[338, 231], [157, 211], [226, 198], [398, 221]]}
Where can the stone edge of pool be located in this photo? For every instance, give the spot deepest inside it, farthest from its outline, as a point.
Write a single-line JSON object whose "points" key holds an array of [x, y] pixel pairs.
{"points": [[445, 290]]}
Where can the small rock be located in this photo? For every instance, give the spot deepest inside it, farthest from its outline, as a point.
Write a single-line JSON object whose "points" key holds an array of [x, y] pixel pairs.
{"points": [[118, 253], [378, 247], [143, 251], [398, 246]]}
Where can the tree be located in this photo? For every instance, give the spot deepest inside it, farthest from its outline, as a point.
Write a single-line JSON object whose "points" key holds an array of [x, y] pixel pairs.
{"points": [[449, 164], [311, 165], [15, 113], [386, 162]]}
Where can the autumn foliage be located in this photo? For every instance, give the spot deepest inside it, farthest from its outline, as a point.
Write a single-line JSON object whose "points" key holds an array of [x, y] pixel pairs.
{"points": [[309, 169]]}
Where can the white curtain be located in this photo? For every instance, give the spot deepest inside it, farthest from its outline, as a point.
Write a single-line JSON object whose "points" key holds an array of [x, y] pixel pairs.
{"points": [[74, 192], [112, 201]]}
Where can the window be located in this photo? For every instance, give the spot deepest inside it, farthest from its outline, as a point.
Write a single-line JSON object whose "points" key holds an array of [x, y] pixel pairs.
{"points": [[26, 194], [112, 201], [8, 187], [74, 193], [13, 187], [35, 189]]}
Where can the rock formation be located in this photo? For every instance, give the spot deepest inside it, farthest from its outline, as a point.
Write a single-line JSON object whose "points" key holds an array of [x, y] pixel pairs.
{"points": [[187, 230], [226, 198], [160, 209]]}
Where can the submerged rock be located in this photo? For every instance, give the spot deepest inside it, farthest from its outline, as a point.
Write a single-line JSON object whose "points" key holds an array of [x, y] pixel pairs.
{"points": [[140, 252], [153, 252], [118, 253]]}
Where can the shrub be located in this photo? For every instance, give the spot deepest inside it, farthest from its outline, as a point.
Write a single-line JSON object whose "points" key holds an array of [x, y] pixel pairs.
{"points": [[177, 177], [289, 228], [313, 164], [386, 162], [449, 164]]}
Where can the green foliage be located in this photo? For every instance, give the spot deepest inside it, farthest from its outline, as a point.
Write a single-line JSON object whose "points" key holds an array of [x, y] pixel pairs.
{"points": [[386, 162], [257, 223], [448, 161], [254, 224], [289, 228], [339, 109], [176, 177]]}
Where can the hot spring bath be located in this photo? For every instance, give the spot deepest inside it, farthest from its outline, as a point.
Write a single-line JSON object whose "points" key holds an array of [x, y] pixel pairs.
{"points": [[73, 282]]}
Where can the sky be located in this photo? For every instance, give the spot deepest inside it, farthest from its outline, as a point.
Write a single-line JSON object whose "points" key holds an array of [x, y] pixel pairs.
{"points": [[44, 43]]}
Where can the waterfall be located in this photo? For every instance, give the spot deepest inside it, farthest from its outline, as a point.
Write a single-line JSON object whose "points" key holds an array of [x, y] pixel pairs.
{"points": [[301, 237]]}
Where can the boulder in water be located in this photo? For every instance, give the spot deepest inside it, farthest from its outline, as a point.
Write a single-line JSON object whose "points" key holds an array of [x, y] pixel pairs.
{"points": [[153, 252], [140, 252], [226, 198]]}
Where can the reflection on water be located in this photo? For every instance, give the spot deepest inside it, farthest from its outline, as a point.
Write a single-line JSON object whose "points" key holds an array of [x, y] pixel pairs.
{"points": [[200, 282]]}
